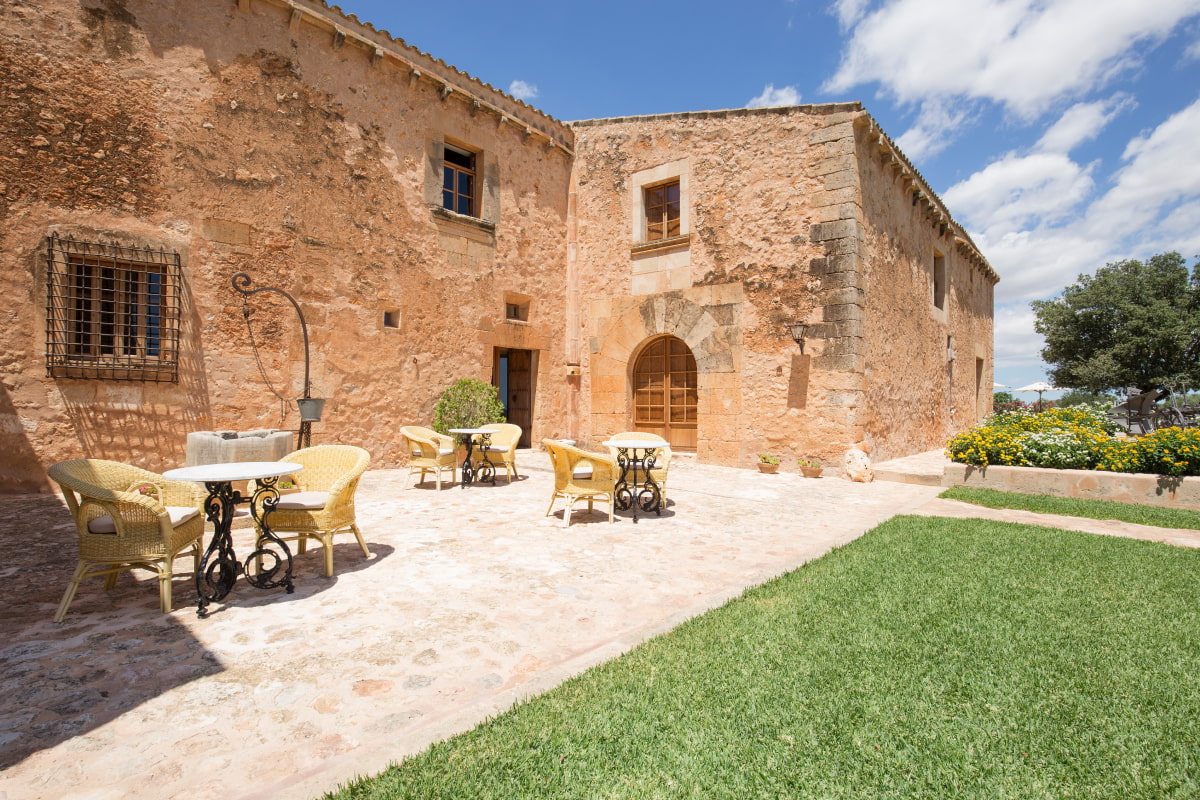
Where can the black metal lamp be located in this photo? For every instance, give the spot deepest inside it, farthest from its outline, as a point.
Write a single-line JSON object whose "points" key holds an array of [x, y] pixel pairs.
{"points": [[797, 330]]}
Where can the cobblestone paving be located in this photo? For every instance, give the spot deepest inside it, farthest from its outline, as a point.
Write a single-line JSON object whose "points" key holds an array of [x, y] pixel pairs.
{"points": [[473, 599]]}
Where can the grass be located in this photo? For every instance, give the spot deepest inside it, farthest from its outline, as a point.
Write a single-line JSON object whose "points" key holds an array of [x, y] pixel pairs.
{"points": [[1157, 516], [933, 658]]}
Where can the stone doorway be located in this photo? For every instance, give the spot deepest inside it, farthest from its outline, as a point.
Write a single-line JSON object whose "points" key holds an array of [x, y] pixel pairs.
{"points": [[665, 392], [514, 375]]}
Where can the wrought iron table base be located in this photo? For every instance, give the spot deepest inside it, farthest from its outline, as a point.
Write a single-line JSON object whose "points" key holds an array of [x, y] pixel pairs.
{"points": [[486, 471], [219, 568], [635, 494]]}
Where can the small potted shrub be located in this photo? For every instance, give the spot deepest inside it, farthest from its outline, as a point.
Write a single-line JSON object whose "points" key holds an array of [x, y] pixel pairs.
{"points": [[768, 463], [811, 467], [467, 403]]}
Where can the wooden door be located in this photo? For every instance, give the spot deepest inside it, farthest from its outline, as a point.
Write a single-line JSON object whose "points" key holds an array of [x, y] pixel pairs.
{"points": [[665, 393], [514, 376]]}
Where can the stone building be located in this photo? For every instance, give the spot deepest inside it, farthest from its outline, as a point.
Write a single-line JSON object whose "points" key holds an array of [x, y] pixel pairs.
{"points": [[636, 273]]}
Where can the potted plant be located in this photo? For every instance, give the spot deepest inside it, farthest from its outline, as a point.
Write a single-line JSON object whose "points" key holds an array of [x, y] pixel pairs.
{"points": [[811, 467], [467, 403], [768, 463]]}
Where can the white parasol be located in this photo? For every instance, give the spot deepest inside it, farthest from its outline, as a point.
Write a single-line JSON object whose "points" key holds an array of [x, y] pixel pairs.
{"points": [[1039, 387]]}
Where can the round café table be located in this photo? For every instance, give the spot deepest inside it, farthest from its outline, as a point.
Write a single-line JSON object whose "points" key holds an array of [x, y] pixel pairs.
{"points": [[486, 471], [219, 568], [634, 455]]}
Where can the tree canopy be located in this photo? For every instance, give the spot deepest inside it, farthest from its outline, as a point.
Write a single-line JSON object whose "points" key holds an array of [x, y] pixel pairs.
{"points": [[1133, 323]]}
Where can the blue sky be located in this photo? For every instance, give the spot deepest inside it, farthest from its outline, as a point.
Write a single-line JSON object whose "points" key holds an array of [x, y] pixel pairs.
{"points": [[1063, 134]]}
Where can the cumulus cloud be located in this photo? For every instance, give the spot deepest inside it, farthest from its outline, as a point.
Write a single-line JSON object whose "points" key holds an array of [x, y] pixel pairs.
{"points": [[1039, 219], [849, 12], [1017, 344], [1024, 54], [1081, 122], [934, 129], [522, 90], [783, 96]]}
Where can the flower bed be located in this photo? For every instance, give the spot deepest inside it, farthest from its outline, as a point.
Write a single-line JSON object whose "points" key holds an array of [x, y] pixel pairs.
{"points": [[1079, 437]]}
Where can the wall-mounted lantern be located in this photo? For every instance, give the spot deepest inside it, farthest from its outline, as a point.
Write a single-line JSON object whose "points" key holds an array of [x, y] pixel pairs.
{"points": [[797, 330]]}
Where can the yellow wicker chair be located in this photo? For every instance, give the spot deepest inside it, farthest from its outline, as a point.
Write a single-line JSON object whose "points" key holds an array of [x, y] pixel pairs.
{"points": [[129, 518], [324, 506], [580, 475], [502, 452], [429, 451], [662, 459]]}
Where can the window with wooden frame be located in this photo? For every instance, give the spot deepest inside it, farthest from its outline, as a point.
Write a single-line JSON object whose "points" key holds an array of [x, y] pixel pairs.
{"points": [[661, 208], [458, 181], [112, 312]]}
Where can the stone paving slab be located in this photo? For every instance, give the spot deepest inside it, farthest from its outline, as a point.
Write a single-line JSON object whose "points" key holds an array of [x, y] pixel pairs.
{"points": [[473, 600]]}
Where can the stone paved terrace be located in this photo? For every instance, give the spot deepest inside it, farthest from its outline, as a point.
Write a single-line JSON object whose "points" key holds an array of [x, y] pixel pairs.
{"points": [[472, 600]]}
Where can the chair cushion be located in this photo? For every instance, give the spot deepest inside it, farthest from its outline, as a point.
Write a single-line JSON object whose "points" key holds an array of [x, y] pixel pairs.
{"points": [[445, 451], [582, 472], [178, 514], [495, 448], [303, 500]]}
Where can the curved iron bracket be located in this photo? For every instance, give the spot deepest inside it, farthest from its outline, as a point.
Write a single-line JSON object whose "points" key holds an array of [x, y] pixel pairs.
{"points": [[241, 284]]}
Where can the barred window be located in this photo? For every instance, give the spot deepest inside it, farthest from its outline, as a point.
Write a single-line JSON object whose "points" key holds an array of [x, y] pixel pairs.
{"points": [[112, 312]]}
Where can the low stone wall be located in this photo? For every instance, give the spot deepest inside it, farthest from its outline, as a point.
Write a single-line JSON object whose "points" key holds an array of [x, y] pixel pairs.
{"points": [[1121, 487]]}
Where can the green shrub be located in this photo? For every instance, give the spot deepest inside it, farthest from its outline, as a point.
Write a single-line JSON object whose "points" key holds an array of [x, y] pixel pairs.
{"points": [[467, 403]]}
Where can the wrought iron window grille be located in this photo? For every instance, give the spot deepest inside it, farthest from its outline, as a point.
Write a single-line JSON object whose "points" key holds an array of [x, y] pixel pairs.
{"points": [[112, 311]]}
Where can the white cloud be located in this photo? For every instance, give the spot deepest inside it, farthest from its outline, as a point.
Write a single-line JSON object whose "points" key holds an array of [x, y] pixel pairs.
{"points": [[1161, 171], [1017, 344], [1024, 54], [1081, 122], [1018, 191], [936, 127], [849, 12], [522, 90], [1016, 208], [783, 96]]}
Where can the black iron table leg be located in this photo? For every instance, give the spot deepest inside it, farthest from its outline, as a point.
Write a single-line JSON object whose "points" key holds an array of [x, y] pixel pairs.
{"points": [[220, 567], [637, 494]]}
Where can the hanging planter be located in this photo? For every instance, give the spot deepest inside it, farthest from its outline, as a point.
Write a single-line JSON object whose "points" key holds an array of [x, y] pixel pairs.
{"points": [[311, 408]]}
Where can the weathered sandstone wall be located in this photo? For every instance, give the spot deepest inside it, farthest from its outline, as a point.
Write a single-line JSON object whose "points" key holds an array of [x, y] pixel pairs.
{"points": [[295, 145]]}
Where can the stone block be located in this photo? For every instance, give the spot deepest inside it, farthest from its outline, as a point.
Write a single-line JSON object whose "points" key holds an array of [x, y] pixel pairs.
{"points": [[833, 313], [841, 180], [826, 231], [847, 194], [838, 363], [836, 164], [839, 296], [843, 130]]}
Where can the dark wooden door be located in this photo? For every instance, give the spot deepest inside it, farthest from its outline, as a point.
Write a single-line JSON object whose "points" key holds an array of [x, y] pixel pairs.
{"points": [[514, 376]]}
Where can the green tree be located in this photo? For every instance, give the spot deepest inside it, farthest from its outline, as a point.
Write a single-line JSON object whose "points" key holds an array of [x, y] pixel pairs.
{"points": [[1133, 323]]}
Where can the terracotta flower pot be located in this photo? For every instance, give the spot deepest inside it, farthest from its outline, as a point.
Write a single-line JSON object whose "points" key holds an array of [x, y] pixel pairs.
{"points": [[768, 468], [812, 472]]}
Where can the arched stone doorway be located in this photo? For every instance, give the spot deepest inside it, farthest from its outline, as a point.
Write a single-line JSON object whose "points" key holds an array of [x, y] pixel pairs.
{"points": [[665, 391]]}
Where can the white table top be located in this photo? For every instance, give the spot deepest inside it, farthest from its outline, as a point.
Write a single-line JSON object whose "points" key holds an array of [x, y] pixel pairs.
{"points": [[472, 430], [636, 444], [235, 471]]}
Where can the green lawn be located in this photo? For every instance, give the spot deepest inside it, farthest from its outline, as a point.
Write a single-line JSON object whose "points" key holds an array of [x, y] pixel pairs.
{"points": [[933, 658], [1158, 516]]}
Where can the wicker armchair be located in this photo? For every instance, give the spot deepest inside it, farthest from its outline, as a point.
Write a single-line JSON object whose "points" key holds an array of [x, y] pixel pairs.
{"points": [[580, 475], [128, 518], [324, 506], [429, 451], [662, 459], [502, 452]]}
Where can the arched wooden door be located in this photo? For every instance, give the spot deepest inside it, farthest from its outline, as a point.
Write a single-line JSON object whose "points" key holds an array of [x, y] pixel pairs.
{"points": [[664, 392]]}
